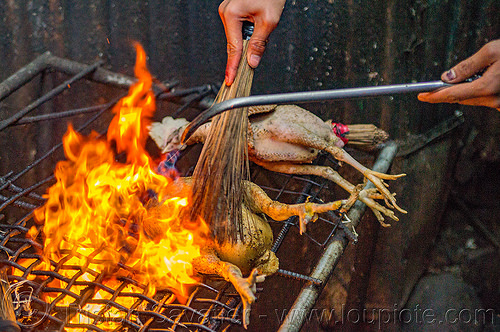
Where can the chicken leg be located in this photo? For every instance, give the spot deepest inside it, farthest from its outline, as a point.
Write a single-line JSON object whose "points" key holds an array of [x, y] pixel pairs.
{"points": [[366, 196]]}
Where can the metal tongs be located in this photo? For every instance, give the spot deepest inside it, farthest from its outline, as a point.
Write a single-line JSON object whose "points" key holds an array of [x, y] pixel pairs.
{"points": [[308, 96]]}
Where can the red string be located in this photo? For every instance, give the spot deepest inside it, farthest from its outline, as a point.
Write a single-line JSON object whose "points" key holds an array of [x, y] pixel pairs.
{"points": [[340, 130]]}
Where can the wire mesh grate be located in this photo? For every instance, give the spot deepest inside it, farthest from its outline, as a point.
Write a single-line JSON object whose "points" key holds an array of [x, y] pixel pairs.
{"points": [[66, 296]]}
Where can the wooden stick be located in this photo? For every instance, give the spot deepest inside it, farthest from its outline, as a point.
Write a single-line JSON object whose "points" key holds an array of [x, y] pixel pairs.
{"points": [[365, 136]]}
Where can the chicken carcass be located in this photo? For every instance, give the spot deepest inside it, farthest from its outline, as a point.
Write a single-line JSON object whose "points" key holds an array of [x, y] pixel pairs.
{"points": [[250, 255], [286, 139]]}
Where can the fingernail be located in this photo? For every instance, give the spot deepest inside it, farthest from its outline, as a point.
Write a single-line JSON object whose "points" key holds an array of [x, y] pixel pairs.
{"points": [[254, 60], [450, 75]]}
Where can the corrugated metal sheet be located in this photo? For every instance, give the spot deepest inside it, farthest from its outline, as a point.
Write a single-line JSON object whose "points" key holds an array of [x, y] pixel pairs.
{"points": [[318, 44]]}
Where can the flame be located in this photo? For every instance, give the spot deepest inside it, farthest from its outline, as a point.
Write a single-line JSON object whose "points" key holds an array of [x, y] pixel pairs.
{"points": [[129, 127], [98, 208]]}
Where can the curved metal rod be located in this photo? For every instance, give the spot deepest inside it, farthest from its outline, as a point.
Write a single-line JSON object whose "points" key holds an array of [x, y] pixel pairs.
{"points": [[307, 96]]}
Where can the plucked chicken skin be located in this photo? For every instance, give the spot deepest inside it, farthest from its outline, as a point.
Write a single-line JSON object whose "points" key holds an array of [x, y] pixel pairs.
{"points": [[286, 139]]}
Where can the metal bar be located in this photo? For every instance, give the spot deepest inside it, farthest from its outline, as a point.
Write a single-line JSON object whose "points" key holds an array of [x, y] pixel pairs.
{"points": [[74, 112], [25, 192], [46, 61], [309, 96], [60, 115], [202, 102], [19, 203], [54, 92], [13, 188], [309, 294], [347, 231], [476, 221], [298, 276], [23, 75], [185, 92], [101, 75], [416, 143]]}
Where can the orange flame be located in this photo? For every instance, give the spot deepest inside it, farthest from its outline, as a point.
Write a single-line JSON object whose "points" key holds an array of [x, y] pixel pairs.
{"points": [[129, 127], [99, 206]]}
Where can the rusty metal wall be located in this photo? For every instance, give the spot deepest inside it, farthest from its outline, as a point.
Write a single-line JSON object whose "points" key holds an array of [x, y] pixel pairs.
{"points": [[319, 44]]}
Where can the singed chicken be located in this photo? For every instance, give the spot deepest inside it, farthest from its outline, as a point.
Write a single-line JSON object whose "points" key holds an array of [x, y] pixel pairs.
{"points": [[251, 254], [286, 139]]}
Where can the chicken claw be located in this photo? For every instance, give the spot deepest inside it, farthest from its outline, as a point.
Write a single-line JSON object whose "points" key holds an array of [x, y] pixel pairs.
{"points": [[306, 217], [368, 196], [377, 179], [246, 287], [309, 212]]}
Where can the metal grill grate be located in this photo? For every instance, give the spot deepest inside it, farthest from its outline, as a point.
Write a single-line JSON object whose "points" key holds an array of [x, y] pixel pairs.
{"points": [[76, 296]]}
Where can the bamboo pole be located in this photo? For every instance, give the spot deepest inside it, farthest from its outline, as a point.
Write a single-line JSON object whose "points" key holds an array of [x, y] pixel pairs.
{"points": [[297, 315]]}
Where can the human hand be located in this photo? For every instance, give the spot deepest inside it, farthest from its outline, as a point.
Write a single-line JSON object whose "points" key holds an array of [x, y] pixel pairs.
{"points": [[485, 91], [265, 14]]}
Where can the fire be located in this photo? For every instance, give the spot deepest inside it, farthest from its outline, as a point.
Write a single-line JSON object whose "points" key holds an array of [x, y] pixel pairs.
{"points": [[129, 127], [98, 207]]}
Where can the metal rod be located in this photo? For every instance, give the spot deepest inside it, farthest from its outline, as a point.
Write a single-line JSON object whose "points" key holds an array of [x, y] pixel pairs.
{"points": [[298, 276], [60, 115], [54, 92], [308, 96], [23, 75], [476, 221], [19, 203], [187, 101], [101, 75], [48, 61], [296, 317], [13, 188], [25, 192]]}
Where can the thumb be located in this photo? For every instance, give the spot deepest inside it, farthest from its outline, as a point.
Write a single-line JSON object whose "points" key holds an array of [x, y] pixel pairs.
{"points": [[257, 43], [467, 68]]}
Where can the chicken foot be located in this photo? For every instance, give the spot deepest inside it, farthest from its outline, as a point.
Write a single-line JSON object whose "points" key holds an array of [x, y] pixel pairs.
{"points": [[367, 196], [375, 177], [210, 264]]}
